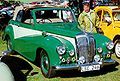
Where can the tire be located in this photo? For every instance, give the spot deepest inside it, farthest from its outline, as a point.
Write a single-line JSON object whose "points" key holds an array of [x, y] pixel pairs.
{"points": [[47, 71], [117, 49]]}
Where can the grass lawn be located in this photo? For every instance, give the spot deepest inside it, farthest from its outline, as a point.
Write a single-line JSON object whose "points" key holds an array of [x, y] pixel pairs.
{"points": [[103, 75]]}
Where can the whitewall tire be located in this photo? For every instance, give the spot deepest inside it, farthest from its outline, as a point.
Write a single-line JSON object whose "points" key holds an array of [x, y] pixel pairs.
{"points": [[117, 49]]}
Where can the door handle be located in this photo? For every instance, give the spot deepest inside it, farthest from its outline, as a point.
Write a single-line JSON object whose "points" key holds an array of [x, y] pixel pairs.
{"points": [[44, 33]]}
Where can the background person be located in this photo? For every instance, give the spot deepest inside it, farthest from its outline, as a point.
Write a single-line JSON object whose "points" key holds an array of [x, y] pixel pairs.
{"points": [[67, 14], [88, 19]]}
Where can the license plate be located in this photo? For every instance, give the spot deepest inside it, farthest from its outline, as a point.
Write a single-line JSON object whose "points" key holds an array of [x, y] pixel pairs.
{"points": [[90, 68]]}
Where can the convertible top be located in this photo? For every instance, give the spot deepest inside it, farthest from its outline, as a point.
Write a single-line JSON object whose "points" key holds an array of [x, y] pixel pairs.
{"points": [[31, 7]]}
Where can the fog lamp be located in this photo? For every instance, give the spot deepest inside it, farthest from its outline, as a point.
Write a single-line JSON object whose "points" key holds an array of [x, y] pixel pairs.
{"points": [[71, 53], [108, 55], [82, 59], [96, 58], [73, 59], [63, 59], [99, 50]]}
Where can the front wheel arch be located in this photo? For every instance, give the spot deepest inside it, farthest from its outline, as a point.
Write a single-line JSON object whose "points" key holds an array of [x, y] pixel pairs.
{"points": [[8, 42], [38, 56], [40, 52]]}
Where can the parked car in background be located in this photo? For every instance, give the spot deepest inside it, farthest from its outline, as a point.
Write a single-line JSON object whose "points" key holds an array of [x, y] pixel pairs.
{"points": [[110, 24], [5, 15], [50, 37]]}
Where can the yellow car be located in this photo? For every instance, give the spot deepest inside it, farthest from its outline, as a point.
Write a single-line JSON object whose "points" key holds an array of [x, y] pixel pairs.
{"points": [[110, 24]]}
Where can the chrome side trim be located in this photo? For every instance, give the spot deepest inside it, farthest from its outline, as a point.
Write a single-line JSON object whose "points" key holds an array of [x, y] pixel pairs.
{"points": [[66, 67]]}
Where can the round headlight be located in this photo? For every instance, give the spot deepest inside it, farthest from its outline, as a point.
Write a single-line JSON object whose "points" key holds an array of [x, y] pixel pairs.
{"points": [[71, 52], [61, 50], [110, 45], [82, 59], [99, 50], [96, 58]]}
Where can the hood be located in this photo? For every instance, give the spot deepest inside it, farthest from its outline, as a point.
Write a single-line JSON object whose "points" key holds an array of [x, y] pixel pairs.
{"points": [[64, 29], [101, 39]]}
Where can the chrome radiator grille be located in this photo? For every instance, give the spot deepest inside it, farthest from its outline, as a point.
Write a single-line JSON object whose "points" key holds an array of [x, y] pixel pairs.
{"points": [[86, 47]]}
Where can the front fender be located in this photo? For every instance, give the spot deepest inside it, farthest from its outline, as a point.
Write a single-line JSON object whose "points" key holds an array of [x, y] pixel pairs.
{"points": [[50, 43], [8, 31], [101, 41]]}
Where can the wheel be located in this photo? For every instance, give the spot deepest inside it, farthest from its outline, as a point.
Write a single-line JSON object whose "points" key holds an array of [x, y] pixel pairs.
{"points": [[45, 65], [117, 49]]}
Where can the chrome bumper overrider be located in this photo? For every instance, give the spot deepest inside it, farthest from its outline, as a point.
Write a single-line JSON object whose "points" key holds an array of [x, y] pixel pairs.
{"points": [[78, 66]]}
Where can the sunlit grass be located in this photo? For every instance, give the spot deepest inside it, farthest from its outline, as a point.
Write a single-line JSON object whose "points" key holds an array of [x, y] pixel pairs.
{"points": [[2, 43]]}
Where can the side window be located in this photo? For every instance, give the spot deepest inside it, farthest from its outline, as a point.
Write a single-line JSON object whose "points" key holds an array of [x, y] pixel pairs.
{"points": [[99, 13], [106, 17], [20, 16], [116, 16], [48, 16], [28, 19]]}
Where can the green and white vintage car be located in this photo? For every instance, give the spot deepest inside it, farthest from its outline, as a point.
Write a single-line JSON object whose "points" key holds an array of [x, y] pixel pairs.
{"points": [[50, 37]]}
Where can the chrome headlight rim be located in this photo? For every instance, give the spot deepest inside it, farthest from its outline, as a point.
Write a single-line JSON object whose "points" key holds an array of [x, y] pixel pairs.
{"points": [[71, 53], [61, 50], [97, 58], [82, 60], [110, 45], [99, 50]]}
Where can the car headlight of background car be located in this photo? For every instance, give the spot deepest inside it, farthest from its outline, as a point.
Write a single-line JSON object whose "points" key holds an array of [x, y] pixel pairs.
{"points": [[61, 50], [110, 45]]}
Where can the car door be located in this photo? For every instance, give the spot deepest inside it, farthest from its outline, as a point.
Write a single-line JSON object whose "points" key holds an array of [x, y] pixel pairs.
{"points": [[24, 33], [106, 23]]}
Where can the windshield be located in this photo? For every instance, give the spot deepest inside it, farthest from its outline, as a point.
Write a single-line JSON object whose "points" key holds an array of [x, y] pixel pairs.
{"points": [[54, 16], [116, 16]]}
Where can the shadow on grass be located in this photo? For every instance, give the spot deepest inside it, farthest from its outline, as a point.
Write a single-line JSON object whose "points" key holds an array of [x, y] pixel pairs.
{"points": [[76, 73], [16, 65]]}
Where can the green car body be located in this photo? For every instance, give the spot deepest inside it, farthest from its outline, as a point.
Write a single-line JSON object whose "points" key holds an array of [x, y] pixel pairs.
{"points": [[56, 44]]}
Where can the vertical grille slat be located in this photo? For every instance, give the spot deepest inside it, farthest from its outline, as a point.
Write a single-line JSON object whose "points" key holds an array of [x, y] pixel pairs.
{"points": [[86, 47]]}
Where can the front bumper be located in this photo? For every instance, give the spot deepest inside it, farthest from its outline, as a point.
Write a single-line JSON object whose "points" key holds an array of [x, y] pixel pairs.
{"points": [[107, 62]]}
